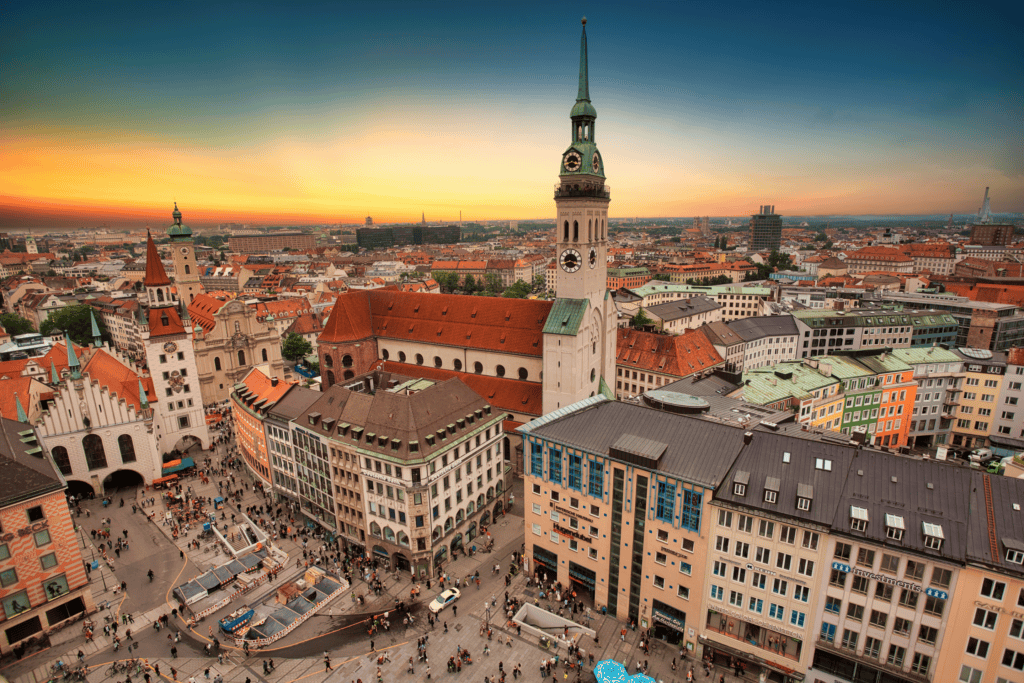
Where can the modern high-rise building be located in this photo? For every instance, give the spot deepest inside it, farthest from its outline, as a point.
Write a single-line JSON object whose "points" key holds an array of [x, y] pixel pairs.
{"points": [[765, 229]]}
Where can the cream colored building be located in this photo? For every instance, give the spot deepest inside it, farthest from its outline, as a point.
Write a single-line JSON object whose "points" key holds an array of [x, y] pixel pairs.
{"points": [[229, 341]]}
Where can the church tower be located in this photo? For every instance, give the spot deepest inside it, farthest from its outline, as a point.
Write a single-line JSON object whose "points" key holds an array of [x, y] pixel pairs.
{"points": [[186, 272], [579, 337], [179, 419]]}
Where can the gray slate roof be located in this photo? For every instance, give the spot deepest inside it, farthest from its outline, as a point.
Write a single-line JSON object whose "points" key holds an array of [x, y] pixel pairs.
{"points": [[697, 451], [999, 496], [23, 475], [684, 308], [294, 403], [751, 329]]}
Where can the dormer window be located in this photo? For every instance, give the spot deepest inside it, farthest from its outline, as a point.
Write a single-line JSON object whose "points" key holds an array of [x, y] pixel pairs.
{"points": [[771, 490], [804, 496], [740, 482], [803, 504], [1015, 556], [894, 527], [933, 536], [858, 518]]}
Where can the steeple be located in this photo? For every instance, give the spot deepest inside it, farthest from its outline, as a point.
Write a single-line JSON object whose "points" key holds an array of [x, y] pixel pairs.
{"points": [[95, 329], [156, 276], [176, 214], [143, 399], [584, 91], [54, 377], [22, 417], [73, 365]]}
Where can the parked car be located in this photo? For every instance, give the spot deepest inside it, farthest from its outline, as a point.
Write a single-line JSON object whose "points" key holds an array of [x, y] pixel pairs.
{"points": [[444, 599]]}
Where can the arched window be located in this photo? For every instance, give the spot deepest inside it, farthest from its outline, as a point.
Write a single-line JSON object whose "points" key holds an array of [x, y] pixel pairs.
{"points": [[187, 270], [127, 447], [95, 457], [437, 361], [458, 365], [241, 358], [590, 229], [460, 517], [389, 534], [470, 508], [346, 361], [216, 362], [330, 377], [60, 457], [566, 238], [329, 361], [593, 374], [448, 525], [401, 356], [159, 295], [575, 231], [523, 373], [384, 354], [499, 370], [375, 529], [238, 327], [436, 533], [403, 539], [264, 352], [478, 367], [419, 359]]}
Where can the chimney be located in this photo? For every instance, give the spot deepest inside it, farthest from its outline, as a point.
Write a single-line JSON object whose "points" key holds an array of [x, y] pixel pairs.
{"points": [[748, 437], [273, 381]]}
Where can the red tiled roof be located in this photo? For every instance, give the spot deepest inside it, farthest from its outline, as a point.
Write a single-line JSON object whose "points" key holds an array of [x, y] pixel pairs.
{"points": [[118, 378], [156, 276], [58, 355], [878, 254], [21, 386], [349, 319], [13, 368], [203, 308], [165, 321], [679, 356], [263, 388], [307, 323], [507, 394]]}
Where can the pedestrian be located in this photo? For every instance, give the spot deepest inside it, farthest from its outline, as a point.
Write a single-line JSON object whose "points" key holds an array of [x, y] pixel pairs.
{"points": [[372, 648], [174, 652], [327, 662], [455, 610], [446, 627]]}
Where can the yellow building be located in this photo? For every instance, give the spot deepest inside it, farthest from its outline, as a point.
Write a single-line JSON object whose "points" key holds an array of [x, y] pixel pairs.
{"points": [[976, 401]]}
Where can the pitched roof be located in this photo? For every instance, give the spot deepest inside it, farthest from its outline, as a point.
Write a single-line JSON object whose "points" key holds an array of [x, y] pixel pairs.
{"points": [[23, 474], [507, 394], [684, 308], [258, 386], [878, 254], [307, 323], [156, 276], [751, 329], [21, 386], [203, 308], [119, 378], [349, 319], [677, 355], [165, 321], [992, 498]]}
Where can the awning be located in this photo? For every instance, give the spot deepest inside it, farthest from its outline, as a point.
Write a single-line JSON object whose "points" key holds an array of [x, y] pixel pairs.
{"points": [[164, 480], [178, 465]]}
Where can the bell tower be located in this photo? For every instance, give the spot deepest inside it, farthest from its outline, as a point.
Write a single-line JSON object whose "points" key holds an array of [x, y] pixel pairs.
{"points": [[186, 273], [579, 337], [581, 199]]}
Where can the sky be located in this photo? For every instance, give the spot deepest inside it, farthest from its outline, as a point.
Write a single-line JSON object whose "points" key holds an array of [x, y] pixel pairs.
{"points": [[298, 112]]}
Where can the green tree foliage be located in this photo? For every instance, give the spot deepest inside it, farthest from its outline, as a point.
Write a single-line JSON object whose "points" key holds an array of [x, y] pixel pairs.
{"points": [[76, 321], [492, 285], [520, 290], [539, 283], [469, 284], [295, 347], [662, 277], [14, 324], [447, 281], [776, 262], [641, 319]]}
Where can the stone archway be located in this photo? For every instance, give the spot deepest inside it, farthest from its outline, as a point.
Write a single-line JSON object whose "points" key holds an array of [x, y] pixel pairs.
{"points": [[400, 562], [80, 489], [485, 519], [499, 507], [122, 479]]}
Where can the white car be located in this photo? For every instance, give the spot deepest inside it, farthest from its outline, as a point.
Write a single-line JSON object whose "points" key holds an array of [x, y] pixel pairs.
{"points": [[444, 599]]}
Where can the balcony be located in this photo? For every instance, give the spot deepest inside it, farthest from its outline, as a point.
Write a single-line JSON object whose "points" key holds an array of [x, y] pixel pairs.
{"points": [[599, 190]]}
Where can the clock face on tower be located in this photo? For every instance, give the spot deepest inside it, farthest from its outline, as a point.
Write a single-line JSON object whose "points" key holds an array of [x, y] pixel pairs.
{"points": [[184, 250], [570, 260], [593, 257], [573, 161], [170, 347], [596, 163]]}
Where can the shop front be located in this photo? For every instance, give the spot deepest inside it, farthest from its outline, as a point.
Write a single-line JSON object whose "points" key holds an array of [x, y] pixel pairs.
{"points": [[545, 562], [669, 624], [731, 637], [583, 579]]}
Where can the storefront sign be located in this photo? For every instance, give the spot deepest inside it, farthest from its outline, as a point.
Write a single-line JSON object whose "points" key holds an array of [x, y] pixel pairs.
{"points": [[668, 619], [567, 512], [998, 608], [569, 532], [909, 585], [25, 531], [770, 625], [385, 478], [674, 552]]}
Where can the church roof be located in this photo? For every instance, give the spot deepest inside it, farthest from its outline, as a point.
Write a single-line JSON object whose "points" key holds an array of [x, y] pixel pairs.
{"points": [[349, 319], [566, 316], [164, 322], [512, 395], [677, 355], [156, 276], [118, 378], [203, 309], [178, 229]]}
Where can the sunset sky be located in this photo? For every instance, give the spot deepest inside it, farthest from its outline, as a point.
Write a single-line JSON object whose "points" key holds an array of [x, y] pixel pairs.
{"points": [[327, 112]]}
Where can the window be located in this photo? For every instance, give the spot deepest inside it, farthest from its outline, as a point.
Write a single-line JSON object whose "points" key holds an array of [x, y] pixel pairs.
{"points": [[788, 535], [860, 585], [810, 540], [908, 598], [554, 465], [756, 605], [776, 611], [927, 634], [718, 569], [784, 561], [872, 646], [915, 570], [1017, 628], [843, 551], [665, 505], [127, 448], [95, 457], [758, 580], [746, 523], [8, 577], [833, 604], [883, 591], [902, 626], [849, 639], [878, 619], [763, 555], [797, 618], [801, 593], [595, 486], [766, 529], [780, 587], [969, 675], [977, 647], [837, 578], [661, 558], [739, 574], [993, 589], [717, 592], [806, 567], [855, 611], [659, 582], [896, 655], [742, 549], [828, 632], [1013, 659], [933, 605], [866, 558], [985, 619], [722, 544], [736, 599], [48, 561], [724, 518], [536, 460], [941, 577], [42, 537]]}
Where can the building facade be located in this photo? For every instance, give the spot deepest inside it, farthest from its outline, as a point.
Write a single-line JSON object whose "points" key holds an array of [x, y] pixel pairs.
{"points": [[271, 241], [765, 230]]}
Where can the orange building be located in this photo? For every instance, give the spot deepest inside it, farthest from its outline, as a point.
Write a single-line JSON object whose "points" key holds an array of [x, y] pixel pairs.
{"points": [[42, 576], [250, 400], [627, 277]]}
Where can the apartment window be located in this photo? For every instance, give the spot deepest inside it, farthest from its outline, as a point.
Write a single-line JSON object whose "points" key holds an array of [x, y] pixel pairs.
{"points": [[717, 592], [902, 626], [758, 580], [801, 593], [810, 540], [725, 518], [739, 574], [683, 592], [927, 634], [850, 639], [660, 558], [866, 558], [908, 598], [855, 611], [722, 544], [778, 611], [883, 591], [780, 587], [837, 578], [833, 604], [985, 619], [806, 567], [872, 646], [736, 598], [659, 582], [935, 606], [766, 529], [828, 632], [993, 589], [718, 569], [843, 551], [977, 647], [896, 655], [756, 605], [742, 549], [878, 619], [746, 523], [1013, 659], [860, 584], [915, 570], [762, 555], [941, 577], [1017, 628]]}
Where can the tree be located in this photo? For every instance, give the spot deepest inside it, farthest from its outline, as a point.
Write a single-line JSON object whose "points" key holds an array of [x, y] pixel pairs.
{"points": [[492, 285], [295, 347], [447, 281], [640, 320], [14, 324], [662, 277], [469, 284], [77, 322], [539, 283], [520, 290]]}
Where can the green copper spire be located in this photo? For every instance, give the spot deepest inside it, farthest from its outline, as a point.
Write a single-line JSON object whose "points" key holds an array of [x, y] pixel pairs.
{"points": [[54, 377], [584, 91], [22, 417], [73, 364], [142, 396], [95, 329]]}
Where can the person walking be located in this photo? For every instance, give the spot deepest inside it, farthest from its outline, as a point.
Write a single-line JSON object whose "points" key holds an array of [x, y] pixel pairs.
{"points": [[327, 662]]}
